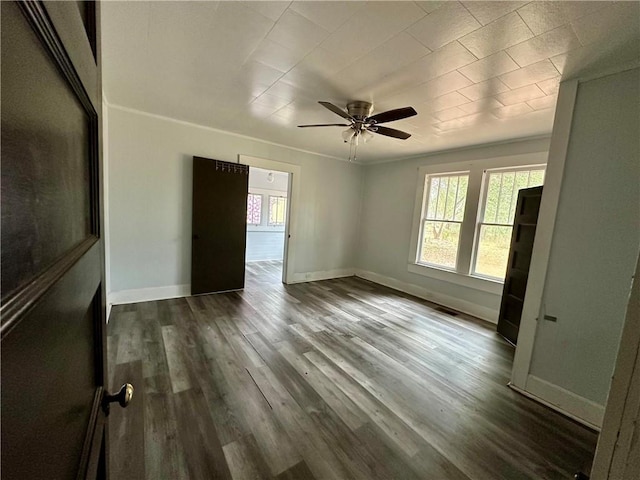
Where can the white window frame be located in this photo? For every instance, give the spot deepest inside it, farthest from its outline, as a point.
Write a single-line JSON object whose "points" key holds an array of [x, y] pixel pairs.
{"points": [[423, 219], [261, 209], [462, 274], [277, 224], [482, 207]]}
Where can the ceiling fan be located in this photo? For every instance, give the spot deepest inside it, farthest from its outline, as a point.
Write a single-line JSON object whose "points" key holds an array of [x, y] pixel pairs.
{"points": [[362, 123]]}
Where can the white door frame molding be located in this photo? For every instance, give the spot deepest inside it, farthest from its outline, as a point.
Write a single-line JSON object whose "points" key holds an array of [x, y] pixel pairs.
{"points": [[617, 456], [290, 231], [544, 233]]}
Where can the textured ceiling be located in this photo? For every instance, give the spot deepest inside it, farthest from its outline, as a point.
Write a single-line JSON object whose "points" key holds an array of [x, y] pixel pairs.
{"points": [[476, 72]]}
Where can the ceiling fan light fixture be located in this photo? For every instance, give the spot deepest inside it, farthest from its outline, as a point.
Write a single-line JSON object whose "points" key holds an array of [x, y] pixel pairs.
{"points": [[348, 134], [366, 135]]}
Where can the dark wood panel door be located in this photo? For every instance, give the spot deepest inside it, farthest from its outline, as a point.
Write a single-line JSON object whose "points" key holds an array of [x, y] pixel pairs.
{"points": [[515, 282], [53, 305], [219, 228]]}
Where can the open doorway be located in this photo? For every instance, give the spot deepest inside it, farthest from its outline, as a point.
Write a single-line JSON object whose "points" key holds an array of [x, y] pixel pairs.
{"points": [[267, 207]]}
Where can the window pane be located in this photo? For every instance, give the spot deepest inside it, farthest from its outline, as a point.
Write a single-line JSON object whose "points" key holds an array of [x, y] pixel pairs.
{"points": [[447, 197], [433, 197], [537, 178], [505, 198], [440, 243], [493, 192], [461, 198], [277, 210], [254, 209], [493, 250]]}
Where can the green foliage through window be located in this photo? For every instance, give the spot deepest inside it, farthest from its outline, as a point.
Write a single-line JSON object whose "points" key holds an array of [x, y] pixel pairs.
{"points": [[446, 198]]}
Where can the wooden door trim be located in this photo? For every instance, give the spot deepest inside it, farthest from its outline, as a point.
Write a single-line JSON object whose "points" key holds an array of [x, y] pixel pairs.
{"points": [[19, 303]]}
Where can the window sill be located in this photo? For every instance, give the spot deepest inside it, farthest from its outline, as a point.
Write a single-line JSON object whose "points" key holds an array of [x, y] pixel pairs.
{"points": [[477, 283]]}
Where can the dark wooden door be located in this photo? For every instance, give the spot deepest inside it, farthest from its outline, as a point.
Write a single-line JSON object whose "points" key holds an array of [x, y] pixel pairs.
{"points": [[219, 228], [53, 304], [515, 282]]}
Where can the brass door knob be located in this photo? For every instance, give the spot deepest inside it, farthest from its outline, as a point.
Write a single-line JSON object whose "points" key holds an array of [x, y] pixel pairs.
{"points": [[123, 397]]}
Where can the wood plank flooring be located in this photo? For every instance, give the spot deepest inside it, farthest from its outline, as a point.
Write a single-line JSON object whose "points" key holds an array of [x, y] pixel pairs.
{"points": [[340, 379]]}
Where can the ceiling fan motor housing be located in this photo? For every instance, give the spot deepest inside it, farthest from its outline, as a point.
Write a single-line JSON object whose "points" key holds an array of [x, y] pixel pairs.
{"points": [[359, 110]]}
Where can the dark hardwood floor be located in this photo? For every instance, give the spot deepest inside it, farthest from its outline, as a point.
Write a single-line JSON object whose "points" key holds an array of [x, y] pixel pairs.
{"points": [[340, 379]]}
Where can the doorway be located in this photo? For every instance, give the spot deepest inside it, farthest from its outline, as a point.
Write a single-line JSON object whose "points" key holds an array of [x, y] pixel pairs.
{"points": [[267, 218]]}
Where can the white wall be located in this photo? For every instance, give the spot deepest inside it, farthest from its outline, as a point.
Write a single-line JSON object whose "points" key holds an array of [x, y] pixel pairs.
{"points": [[595, 243], [386, 228], [150, 168], [264, 241]]}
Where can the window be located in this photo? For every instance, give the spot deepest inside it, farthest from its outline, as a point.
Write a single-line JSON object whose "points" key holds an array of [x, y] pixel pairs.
{"points": [[496, 218], [254, 209], [277, 210], [445, 203], [464, 216]]}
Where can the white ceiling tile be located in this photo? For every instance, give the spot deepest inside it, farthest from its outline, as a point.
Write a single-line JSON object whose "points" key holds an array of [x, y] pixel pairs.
{"points": [[488, 88], [573, 9], [429, 6], [532, 74], [444, 60], [512, 110], [450, 114], [520, 95], [543, 102], [618, 23], [463, 122], [286, 91], [498, 35], [258, 110], [297, 32], [551, 86], [271, 10], [541, 17], [258, 77], [446, 83], [275, 55], [447, 23], [487, 12], [399, 51], [271, 101], [442, 102], [376, 23], [489, 67], [482, 105], [329, 15], [324, 62], [554, 42]]}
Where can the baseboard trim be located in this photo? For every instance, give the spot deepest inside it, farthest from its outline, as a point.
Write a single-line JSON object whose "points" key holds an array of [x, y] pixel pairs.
{"points": [[321, 275], [148, 294], [488, 314], [580, 409]]}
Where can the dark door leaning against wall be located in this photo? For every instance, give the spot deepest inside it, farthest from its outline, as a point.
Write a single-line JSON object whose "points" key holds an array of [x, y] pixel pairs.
{"points": [[219, 225], [53, 304], [515, 282]]}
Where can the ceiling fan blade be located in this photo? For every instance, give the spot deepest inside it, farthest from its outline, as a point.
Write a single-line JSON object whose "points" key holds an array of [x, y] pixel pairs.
{"points": [[389, 132], [326, 125], [336, 110], [392, 115]]}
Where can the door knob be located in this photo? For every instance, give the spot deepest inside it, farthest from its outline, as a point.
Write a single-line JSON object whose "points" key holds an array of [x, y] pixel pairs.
{"points": [[123, 397]]}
